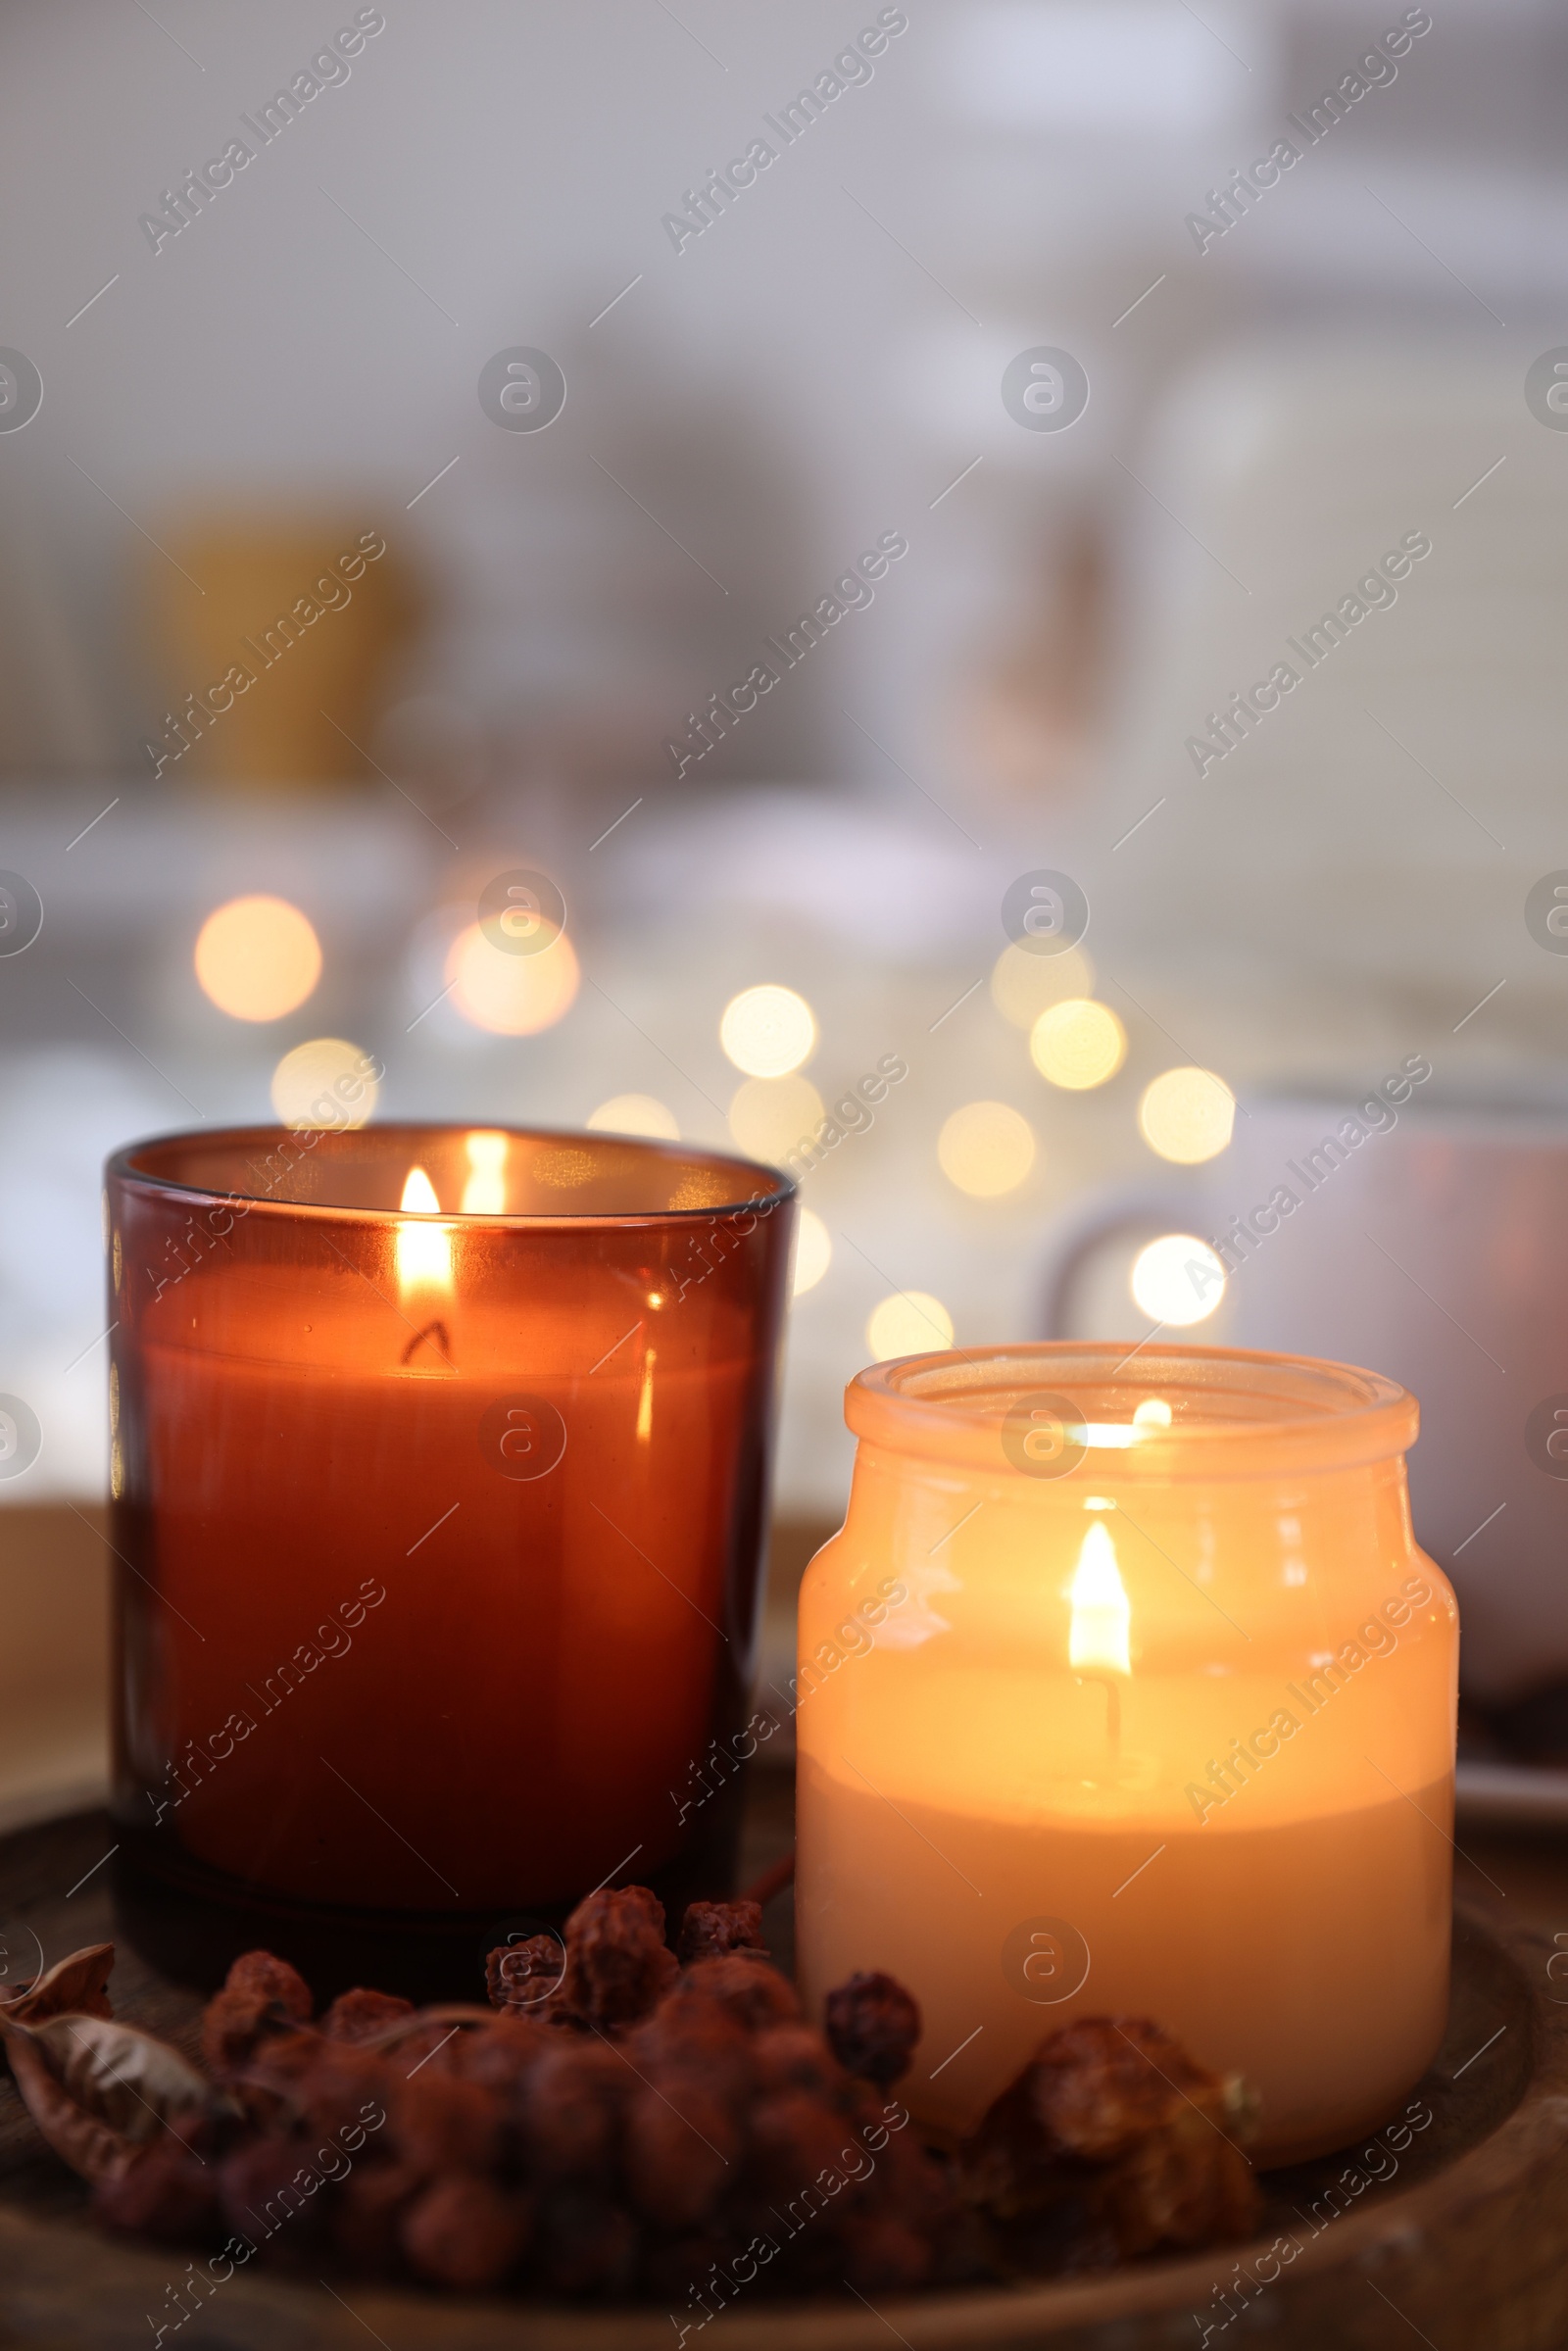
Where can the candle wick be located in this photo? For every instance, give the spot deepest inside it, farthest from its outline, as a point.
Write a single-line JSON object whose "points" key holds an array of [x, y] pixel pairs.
{"points": [[436, 1332]]}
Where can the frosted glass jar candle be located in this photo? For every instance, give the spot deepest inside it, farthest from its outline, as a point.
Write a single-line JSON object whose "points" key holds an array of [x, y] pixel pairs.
{"points": [[1125, 1689]]}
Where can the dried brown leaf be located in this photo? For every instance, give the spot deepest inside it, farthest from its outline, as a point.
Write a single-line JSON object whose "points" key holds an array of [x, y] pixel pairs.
{"points": [[97, 2088], [75, 1986]]}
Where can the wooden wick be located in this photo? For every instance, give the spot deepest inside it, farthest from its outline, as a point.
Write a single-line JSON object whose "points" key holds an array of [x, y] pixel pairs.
{"points": [[431, 1331]]}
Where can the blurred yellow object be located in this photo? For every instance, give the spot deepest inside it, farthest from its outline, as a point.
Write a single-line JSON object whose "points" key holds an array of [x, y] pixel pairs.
{"points": [[1171, 1280], [257, 957], [1023, 983], [912, 1322], [325, 1083], [1078, 1043], [272, 647], [813, 1250], [1186, 1115], [986, 1149], [512, 996], [769, 1118], [634, 1114], [768, 1031]]}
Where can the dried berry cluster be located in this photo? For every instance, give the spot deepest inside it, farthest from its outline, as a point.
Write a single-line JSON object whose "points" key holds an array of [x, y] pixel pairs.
{"points": [[629, 2121], [622, 2119]]}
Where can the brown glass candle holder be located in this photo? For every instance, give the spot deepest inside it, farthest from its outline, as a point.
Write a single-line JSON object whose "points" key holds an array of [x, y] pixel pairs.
{"points": [[438, 1534]]}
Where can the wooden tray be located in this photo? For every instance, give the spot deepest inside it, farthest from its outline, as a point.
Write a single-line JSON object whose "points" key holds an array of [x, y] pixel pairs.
{"points": [[1463, 2245]]}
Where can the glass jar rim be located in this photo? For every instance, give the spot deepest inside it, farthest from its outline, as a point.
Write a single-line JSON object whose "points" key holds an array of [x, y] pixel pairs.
{"points": [[1069, 1410], [150, 1166]]}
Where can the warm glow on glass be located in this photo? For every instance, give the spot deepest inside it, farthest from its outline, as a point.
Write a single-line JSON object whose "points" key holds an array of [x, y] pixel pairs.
{"points": [[1102, 1614], [912, 1322], [771, 1117], [326, 1083], [258, 957], [1022, 984], [512, 996], [986, 1149], [1186, 1115], [813, 1250], [1152, 1413], [1078, 1043], [484, 1192], [635, 1115], [1177, 1280], [424, 1250], [768, 1031]]}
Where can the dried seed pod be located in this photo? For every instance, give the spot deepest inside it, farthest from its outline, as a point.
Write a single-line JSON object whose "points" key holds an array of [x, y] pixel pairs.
{"points": [[162, 2191], [465, 2233], [260, 1994], [618, 1962], [873, 2024], [74, 1985], [269, 2191], [797, 2057], [710, 1929], [361, 2014], [527, 1978], [366, 2215], [500, 2058], [1112, 2118], [756, 1995], [680, 2150], [438, 2122], [571, 2109], [794, 2139]]}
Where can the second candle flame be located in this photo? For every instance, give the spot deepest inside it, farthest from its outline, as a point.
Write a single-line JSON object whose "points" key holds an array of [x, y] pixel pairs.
{"points": [[1101, 1613]]}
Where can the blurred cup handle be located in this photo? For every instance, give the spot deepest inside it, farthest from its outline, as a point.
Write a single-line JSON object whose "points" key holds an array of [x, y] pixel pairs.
{"points": [[1081, 1233]]}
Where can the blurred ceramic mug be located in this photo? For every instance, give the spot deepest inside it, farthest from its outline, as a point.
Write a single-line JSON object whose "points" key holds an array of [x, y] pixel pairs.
{"points": [[1428, 1240]]}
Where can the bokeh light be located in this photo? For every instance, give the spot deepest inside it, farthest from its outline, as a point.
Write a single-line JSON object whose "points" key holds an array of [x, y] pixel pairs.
{"points": [[258, 957], [1022, 984], [1177, 1279], [813, 1250], [912, 1322], [326, 1083], [771, 1117], [512, 996], [986, 1149], [1186, 1115], [768, 1031], [635, 1115], [1078, 1043]]}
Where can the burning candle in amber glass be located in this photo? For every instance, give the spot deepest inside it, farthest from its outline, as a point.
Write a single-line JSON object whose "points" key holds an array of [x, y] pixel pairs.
{"points": [[440, 1465], [1125, 1691]]}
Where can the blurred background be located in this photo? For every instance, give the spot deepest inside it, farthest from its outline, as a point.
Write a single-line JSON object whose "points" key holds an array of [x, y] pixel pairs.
{"points": [[1122, 338]]}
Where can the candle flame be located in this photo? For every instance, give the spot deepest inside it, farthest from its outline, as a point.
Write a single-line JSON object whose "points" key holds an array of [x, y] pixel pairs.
{"points": [[424, 1251], [485, 1192], [1102, 1614]]}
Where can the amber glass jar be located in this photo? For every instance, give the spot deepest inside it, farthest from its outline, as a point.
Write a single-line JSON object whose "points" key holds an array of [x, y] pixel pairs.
{"points": [[1125, 1689], [439, 1531]]}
